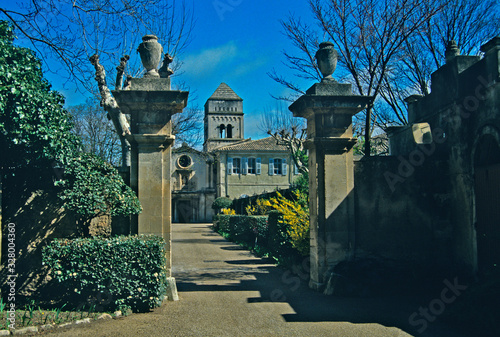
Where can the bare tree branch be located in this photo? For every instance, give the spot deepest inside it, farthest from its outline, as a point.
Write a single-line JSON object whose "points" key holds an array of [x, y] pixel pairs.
{"points": [[109, 104], [68, 32], [288, 131], [120, 70]]}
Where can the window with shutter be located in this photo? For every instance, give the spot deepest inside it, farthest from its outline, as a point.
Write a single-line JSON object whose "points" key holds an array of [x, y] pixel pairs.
{"points": [[271, 166], [278, 166], [236, 165], [257, 166], [251, 166], [284, 169]]}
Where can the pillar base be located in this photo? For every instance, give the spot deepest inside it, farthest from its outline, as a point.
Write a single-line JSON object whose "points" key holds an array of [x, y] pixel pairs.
{"points": [[172, 294], [317, 286]]}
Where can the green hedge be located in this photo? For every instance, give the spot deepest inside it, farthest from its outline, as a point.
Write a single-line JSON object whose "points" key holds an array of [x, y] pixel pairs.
{"points": [[242, 229], [220, 203], [264, 234], [114, 274]]}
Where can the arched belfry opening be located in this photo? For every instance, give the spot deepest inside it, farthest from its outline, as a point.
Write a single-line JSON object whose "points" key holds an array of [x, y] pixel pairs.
{"points": [[487, 201], [229, 131], [222, 131]]}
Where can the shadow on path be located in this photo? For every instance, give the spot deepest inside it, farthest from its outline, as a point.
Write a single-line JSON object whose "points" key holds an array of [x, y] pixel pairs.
{"points": [[226, 267]]}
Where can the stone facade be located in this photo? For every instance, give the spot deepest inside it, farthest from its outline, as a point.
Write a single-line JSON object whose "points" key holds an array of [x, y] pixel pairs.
{"points": [[193, 185], [242, 167]]}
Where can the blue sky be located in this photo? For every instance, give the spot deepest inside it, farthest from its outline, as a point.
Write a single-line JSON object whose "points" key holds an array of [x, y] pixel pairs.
{"points": [[238, 42]]}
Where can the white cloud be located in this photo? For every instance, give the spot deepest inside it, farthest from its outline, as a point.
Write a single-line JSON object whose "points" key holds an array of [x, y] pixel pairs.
{"points": [[247, 67], [207, 61]]}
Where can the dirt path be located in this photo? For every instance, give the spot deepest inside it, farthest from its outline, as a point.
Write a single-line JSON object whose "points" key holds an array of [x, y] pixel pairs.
{"points": [[226, 291]]}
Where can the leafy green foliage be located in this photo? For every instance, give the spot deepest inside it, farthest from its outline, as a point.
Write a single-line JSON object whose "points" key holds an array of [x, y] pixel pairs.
{"points": [[93, 187], [266, 235], [116, 273], [221, 203], [242, 229], [34, 127], [301, 183], [294, 218]]}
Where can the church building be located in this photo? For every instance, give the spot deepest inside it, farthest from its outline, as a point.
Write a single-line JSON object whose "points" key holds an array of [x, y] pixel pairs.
{"points": [[229, 165]]}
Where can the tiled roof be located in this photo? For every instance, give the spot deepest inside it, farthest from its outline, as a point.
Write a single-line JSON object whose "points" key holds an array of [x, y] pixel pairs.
{"points": [[224, 92], [264, 144], [187, 149]]}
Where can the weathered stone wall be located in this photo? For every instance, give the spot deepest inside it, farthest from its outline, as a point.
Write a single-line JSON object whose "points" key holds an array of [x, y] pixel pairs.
{"points": [[409, 222], [39, 217], [462, 109]]}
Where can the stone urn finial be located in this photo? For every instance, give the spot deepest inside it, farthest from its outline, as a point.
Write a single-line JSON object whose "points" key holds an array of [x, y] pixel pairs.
{"points": [[326, 57], [451, 51], [150, 51]]}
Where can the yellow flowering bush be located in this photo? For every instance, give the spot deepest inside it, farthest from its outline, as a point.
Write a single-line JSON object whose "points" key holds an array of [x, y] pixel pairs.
{"points": [[296, 219], [228, 211], [295, 216], [262, 207]]}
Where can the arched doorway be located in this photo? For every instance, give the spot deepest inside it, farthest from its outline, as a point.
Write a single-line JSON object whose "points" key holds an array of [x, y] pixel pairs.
{"points": [[487, 201]]}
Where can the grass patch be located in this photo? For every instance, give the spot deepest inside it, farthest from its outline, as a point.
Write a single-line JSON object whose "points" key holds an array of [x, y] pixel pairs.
{"points": [[33, 315]]}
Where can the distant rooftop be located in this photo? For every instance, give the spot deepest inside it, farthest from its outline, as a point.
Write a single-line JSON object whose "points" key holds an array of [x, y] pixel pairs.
{"points": [[264, 144], [224, 92]]}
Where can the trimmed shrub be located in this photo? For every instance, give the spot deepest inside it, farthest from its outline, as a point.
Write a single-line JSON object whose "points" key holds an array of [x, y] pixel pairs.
{"points": [[279, 241], [248, 230], [221, 202], [114, 274], [294, 222], [266, 235]]}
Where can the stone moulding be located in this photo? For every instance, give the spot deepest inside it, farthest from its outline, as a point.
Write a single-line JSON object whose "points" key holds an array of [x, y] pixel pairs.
{"points": [[136, 101], [308, 105], [330, 144], [153, 139]]}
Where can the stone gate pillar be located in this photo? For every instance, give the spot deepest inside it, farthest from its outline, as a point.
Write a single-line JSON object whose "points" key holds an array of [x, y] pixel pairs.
{"points": [[151, 104], [328, 107]]}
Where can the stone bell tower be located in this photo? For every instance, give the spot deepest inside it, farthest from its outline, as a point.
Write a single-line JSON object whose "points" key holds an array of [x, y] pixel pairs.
{"points": [[223, 118]]}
